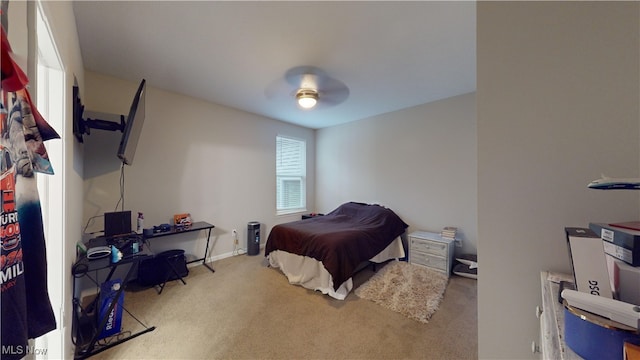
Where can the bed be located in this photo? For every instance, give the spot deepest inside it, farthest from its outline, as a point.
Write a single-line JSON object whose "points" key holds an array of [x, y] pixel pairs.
{"points": [[324, 252]]}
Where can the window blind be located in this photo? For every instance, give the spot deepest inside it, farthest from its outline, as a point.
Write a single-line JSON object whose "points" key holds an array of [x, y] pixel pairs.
{"points": [[291, 173]]}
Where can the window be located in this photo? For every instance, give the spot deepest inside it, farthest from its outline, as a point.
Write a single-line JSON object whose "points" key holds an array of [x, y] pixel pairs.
{"points": [[291, 172]]}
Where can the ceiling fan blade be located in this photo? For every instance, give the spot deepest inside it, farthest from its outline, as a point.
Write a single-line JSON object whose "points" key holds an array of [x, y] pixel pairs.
{"points": [[334, 97], [332, 91]]}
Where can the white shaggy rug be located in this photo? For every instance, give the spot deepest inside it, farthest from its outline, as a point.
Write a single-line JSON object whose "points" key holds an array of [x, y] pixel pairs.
{"points": [[411, 290]]}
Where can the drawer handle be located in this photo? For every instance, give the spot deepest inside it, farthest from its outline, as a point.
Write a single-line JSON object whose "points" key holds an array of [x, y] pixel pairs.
{"points": [[538, 311], [535, 348], [429, 247]]}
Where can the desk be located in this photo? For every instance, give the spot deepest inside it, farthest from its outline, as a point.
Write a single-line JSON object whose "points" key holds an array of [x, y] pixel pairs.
{"points": [[196, 226], [84, 267]]}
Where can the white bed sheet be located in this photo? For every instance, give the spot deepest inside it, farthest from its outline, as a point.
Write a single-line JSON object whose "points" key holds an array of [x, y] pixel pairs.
{"points": [[311, 273]]}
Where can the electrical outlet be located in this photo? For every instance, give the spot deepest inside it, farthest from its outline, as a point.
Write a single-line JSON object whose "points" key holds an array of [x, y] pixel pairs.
{"points": [[234, 232], [458, 242]]}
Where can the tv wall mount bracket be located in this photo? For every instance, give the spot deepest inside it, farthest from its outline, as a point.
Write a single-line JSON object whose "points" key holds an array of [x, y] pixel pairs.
{"points": [[83, 126]]}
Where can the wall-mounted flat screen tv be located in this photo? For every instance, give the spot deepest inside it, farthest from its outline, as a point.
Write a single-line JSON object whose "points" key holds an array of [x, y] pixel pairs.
{"points": [[133, 126], [130, 126]]}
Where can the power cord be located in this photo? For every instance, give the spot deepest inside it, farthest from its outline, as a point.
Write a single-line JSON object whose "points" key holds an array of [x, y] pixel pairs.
{"points": [[113, 338], [84, 231], [121, 200], [119, 203], [237, 250]]}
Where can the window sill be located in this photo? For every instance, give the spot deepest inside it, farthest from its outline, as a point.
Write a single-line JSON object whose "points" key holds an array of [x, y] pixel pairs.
{"points": [[290, 212]]}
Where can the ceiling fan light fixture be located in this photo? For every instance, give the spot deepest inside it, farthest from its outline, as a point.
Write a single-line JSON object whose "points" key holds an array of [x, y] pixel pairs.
{"points": [[307, 98]]}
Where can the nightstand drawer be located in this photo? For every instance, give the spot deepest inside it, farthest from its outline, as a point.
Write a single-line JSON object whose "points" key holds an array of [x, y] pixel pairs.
{"points": [[435, 262], [428, 246]]}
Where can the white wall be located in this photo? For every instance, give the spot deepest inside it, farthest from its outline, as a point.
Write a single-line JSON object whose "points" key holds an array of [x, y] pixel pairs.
{"points": [[420, 162], [557, 102], [214, 162]]}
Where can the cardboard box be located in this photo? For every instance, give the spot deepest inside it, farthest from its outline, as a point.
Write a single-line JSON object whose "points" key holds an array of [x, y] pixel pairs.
{"points": [[626, 241], [627, 281], [182, 219], [108, 293], [618, 252], [588, 261]]}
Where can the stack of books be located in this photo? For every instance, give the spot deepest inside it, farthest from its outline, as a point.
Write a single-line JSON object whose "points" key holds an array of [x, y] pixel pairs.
{"points": [[449, 232], [621, 240]]}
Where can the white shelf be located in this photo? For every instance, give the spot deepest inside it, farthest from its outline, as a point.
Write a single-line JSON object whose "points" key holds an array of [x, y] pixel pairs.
{"points": [[552, 322]]}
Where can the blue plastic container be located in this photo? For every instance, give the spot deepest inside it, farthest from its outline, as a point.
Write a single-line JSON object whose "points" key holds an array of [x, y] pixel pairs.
{"points": [[594, 337]]}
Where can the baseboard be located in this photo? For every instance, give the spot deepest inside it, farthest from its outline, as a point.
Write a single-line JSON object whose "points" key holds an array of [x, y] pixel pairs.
{"points": [[222, 256]]}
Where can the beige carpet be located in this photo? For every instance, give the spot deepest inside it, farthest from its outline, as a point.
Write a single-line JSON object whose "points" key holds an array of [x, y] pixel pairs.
{"points": [[246, 310], [412, 290]]}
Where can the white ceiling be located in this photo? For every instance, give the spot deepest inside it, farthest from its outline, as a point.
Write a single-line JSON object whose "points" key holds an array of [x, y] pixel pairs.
{"points": [[390, 55]]}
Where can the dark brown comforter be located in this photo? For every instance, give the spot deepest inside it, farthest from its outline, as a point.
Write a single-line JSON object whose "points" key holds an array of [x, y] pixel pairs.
{"points": [[341, 240]]}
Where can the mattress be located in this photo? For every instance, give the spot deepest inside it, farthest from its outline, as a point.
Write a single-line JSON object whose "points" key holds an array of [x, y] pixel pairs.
{"points": [[311, 273]]}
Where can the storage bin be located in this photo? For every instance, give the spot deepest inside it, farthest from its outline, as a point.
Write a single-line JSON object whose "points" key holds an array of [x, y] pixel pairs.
{"points": [[160, 268]]}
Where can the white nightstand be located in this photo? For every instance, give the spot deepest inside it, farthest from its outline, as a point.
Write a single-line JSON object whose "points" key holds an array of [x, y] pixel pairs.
{"points": [[431, 250]]}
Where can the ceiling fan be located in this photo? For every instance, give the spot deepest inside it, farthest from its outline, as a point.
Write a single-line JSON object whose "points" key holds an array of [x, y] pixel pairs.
{"points": [[309, 87]]}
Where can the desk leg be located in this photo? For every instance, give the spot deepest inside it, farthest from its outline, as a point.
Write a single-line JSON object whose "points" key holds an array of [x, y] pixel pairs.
{"points": [[103, 321], [206, 249], [115, 343]]}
